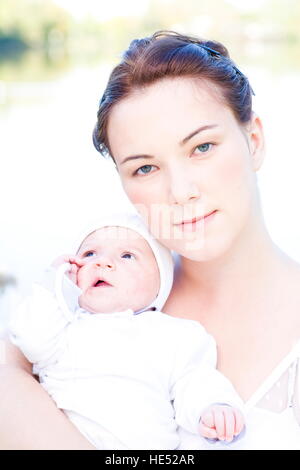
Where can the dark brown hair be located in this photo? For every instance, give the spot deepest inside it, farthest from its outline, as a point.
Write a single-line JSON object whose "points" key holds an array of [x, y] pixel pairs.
{"points": [[170, 54]]}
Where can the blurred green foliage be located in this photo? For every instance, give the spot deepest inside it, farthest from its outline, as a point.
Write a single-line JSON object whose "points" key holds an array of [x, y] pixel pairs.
{"points": [[37, 36], [35, 22]]}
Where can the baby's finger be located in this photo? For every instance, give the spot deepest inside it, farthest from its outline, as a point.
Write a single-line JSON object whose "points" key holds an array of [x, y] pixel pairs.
{"points": [[206, 431], [72, 272], [60, 260], [207, 418], [76, 260], [239, 422], [74, 269], [219, 423], [229, 423]]}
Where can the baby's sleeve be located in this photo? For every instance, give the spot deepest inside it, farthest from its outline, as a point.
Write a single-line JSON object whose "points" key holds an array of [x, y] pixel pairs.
{"points": [[37, 327], [196, 383]]}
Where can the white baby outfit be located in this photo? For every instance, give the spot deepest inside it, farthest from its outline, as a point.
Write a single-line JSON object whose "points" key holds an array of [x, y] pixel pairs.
{"points": [[127, 380]]}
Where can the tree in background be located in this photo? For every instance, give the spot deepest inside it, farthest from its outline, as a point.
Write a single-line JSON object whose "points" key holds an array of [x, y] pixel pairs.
{"points": [[33, 23]]}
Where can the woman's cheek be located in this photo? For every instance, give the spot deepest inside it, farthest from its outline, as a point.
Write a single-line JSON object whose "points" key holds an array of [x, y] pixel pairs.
{"points": [[236, 192], [143, 192], [232, 174]]}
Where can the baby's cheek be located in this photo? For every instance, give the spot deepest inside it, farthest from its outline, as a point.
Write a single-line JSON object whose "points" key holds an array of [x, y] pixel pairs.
{"points": [[79, 279], [83, 303], [148, 288], [80, 301], [82, 277]]}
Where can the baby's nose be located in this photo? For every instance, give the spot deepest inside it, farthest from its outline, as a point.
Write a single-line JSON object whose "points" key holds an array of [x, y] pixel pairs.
{"points": [[104, 262]]}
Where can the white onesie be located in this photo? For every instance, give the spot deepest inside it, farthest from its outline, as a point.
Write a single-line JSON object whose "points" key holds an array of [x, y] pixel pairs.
{"points": [[126, 380]]}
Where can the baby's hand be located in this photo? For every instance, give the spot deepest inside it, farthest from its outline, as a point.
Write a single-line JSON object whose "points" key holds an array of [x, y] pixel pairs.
{"points": [[221, 422], [75, 262]]}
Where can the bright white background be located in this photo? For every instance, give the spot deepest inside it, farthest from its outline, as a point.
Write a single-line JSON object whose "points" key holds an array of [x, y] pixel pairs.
{"points": [[52, 179]]}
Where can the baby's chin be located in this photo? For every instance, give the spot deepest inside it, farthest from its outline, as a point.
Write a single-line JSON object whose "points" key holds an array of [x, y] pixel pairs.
{"points": [[99, 307], [92, 307]]}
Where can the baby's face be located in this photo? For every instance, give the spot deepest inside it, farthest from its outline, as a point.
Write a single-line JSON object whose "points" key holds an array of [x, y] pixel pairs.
{"points": [[119, 271]]}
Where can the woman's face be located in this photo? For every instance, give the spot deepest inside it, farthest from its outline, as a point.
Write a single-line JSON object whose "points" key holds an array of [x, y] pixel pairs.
{"points": [[188, 165]]}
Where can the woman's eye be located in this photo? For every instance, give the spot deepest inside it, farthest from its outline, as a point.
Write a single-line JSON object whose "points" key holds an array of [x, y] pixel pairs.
{"points": [[203, 148], [128, 256], [144, 170]]}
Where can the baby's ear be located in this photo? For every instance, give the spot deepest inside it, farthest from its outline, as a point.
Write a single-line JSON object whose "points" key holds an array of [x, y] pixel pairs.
{"points": [[256, 141]]}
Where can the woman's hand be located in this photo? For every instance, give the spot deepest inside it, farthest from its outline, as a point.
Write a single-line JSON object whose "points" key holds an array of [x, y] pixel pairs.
{"points": [[221, 422], [76, 264]]}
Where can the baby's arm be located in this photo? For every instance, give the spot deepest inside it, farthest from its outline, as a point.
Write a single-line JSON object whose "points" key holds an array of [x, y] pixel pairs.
{"points": [[221, 422], [38, 325], [196, 382]]}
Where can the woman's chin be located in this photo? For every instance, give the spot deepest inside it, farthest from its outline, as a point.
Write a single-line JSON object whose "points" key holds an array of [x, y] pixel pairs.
{"points": [[204, 252]]}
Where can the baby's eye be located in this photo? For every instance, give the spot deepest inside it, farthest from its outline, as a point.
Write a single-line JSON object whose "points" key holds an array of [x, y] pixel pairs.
{"points": [[144, 170], [128, 256], [88, 254], [203, 148]]}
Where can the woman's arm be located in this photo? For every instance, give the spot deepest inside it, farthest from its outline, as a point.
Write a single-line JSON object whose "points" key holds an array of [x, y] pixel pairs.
{"points": [[29, 418]]}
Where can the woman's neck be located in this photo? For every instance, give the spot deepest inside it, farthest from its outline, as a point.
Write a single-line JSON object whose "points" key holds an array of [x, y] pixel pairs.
{"points": [[238, 276]]}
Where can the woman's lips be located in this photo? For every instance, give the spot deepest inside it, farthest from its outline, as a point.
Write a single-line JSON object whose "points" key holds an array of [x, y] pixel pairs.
{"points": [[193, 224]]}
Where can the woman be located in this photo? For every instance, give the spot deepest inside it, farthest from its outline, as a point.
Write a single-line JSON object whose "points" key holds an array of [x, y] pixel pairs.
{"points": [[176, 117]]}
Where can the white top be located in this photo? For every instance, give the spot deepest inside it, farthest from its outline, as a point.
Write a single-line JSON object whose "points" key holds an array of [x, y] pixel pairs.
{"points": [[125, 380], [272, 413]]}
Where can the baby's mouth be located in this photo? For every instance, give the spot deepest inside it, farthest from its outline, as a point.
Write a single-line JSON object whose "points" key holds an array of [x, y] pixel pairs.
{"points": [[102, 283]]}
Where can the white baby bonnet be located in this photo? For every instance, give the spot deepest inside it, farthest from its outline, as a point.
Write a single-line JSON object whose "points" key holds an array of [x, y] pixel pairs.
{"points": [[132, 221]]}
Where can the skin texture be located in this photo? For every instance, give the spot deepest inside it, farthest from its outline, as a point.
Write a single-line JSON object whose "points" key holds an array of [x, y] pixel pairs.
{"points": [[241, 287], [124, 260], [39, 424], [119, 256], [221, 422], [29, 418], [188, 180], [235, 281]]}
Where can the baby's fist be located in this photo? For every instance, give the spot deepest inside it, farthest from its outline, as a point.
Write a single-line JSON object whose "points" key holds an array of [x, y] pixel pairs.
{"points": [[75, 263], [221, 422]]}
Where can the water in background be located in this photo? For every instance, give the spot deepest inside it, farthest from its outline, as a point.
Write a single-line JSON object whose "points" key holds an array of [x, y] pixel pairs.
{"points": [[52, 178]]}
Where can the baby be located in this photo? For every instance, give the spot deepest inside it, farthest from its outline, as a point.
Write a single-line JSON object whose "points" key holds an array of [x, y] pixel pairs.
{"points": [[126, 374]]}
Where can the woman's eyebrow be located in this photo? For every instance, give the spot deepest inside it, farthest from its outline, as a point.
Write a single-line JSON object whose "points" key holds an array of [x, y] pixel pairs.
{"points": [[184, 141], [197, 131], [135, 157]]}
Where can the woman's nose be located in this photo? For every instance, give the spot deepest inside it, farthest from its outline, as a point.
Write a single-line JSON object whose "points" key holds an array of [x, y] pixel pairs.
{"points": [[183, 187]]}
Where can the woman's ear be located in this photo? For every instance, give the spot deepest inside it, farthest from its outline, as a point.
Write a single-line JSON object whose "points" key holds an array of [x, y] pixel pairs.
{"points": [[256, 141]]}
